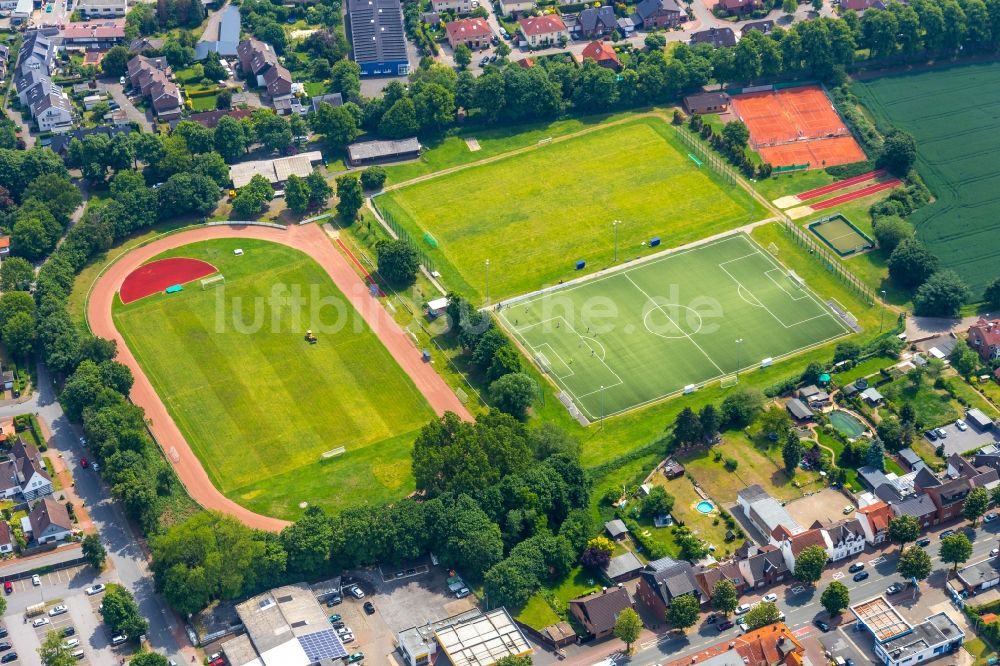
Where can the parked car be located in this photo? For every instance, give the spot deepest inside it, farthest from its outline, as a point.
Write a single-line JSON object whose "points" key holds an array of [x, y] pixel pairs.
{"points": [[771, 597], [57, 610], [333, 601], [343, 630], [72, 643], [69, 631], [334, 618], [36, 580], [960, 424], [860, 576], [347, 638], [95, 589], [6, 645], [722, 626], [3, 632], [990, 517], [947, 533], [856, 567], [923, 543], [742, 624], [895, 588], [355, 657], [995, 552], [40, 622], [941, 432], [743, 608], [357, 592], [369, 608], [9, 657], [8, 586], [931, 435], [84, 463], [847, 509], [823, 626]]}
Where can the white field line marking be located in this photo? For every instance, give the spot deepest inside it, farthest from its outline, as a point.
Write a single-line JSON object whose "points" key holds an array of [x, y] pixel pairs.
{"points": [[561, 360], [676, 325], [781, 286]]}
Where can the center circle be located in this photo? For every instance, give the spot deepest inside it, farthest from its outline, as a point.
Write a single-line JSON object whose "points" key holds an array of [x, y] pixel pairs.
{"points": [[678, 321]]}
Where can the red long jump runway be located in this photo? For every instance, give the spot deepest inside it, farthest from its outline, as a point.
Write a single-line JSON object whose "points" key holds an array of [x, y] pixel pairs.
{"points": [[309, 239], [156, 276], [851, 196], [839, 185]]}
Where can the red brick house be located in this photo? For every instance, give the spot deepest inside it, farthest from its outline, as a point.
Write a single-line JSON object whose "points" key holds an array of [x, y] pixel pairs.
{"points": [[598, 612], [603, 54], [948, 497], [651, 14], [473, 32], [984, 337], [663, 580], [740, 6]]}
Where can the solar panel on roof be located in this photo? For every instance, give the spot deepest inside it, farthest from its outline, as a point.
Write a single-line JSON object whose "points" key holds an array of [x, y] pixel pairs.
{"points": [[322, 645]]}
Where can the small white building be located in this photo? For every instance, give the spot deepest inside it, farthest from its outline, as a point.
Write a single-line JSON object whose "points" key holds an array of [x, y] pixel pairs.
{"points": [[22, 11], [898, 643], [100, 8]]}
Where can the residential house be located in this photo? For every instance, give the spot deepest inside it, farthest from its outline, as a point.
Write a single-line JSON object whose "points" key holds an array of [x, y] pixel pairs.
{"points": [[764, 27], [948, 496], [653, 14], [799, 410], [765, 513], [716, 37], [616, 529], [473, 32], [151, 77], [871, 396], [792, 546], [984, 337], [6, 538], [708, 577], [333, 99], [598, 22], [773, 645], [49, 521], [910, 458], [874, 520], [814, 396], [37, 53], [258, 59], [603, 54], [94, 34], [379, 44], [60, 143], [764, 566], [626, 25], [141, 44], [598, 612], [53, 113], [740, 7], [278, 82], [543, 30], [918, 506], [707, 102], [210, 119], [845, 540], [101, 8], [457, 6], [23, 474], [861, 6], [31, 86], [623, 567], [663, 580], [513, 8]]}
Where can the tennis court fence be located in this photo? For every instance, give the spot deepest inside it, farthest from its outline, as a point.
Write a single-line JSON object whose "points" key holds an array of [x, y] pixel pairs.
{"points": [[831, 263]]}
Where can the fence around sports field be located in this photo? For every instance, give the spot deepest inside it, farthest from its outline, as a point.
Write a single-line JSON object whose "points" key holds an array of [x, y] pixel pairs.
{"points": [[841, 235], [832, 263]]}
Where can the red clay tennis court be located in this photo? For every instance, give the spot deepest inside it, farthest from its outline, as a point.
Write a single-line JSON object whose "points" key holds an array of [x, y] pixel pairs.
{"points": [[158, 275], [796, 126]]}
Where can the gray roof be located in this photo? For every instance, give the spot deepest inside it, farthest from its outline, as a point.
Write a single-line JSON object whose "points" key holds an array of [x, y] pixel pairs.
{"points": [[623, 564], [761, 26], [798, 409], [979, 419], [229, 36], [917, 505], [661, 564], [762, 564], [369, 150], [871, 393], [771, 513], [591, 18], [647, 8], [926, 479], [717, 37], [849, 390], [60, 142], [616, 527], [937, 630], [910, 457], [976, 574], [872, 476], [672, 580], [333, 99], [377, 31]]}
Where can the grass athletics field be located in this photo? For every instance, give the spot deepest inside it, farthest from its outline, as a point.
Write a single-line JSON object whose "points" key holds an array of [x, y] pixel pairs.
{"points": [[651, 329], [534, 214], [950, 113], [259, 408]]}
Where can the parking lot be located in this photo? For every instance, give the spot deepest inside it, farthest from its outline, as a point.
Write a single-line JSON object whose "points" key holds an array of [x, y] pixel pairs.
{"points": [[825, 506], [958, 441]]}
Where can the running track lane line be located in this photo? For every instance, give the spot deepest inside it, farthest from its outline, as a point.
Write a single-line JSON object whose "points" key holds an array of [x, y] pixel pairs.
{"points": [[308, 239], [844, 198], [839, 185]]}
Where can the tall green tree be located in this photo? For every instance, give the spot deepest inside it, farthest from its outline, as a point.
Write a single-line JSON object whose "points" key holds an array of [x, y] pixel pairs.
{"points": [[724, 597], [54, 651], [791, 453], [683, 612], [835, 598], [809, 564], [628, 626], [296, 194], [94, 552], [942, 295], [761, 615], [398, 262], [903, 530], [350, 196], [955, 549], [16, 274], [914, 562], [976, 504], [121, 613]]}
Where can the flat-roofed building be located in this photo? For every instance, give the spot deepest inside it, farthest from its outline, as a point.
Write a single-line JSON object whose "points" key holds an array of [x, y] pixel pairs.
{"points": [[373, 152], [276, 170], [377, 37], [473, 638], [897, 642]]}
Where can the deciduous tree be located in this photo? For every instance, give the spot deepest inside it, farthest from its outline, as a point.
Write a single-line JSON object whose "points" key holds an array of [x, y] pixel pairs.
{"points": [[398, 262], [628, 626], [903, 530], [976, 504], [350, 196], [724, 597], [955, 549], [761, 615], [835, 598], [914, 562], [810, 563], [683, 612], [94, 552]]}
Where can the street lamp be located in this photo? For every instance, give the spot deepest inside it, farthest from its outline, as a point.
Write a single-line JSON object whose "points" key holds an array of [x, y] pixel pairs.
{"points": [[602, 406], [739, 341], [615, 225], [882, 321], [487, 282]]}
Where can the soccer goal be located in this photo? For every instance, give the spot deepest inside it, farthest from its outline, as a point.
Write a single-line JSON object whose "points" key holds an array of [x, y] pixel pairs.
{"points": [[728, 381], [773, 249], [213, 281]]}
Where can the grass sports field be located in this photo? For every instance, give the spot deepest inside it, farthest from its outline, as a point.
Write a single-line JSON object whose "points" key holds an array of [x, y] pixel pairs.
{"points": [[533, 215], [951, 114], [650, 330], [260, 407]]}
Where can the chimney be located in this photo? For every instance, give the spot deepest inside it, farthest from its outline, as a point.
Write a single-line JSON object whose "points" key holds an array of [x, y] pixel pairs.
{"points": [[604, 590]]}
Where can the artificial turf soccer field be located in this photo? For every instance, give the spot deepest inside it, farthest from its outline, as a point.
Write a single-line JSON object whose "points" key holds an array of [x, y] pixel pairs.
{"points": [[259, 408], [649, 330], [952, 115], [534, 214]]}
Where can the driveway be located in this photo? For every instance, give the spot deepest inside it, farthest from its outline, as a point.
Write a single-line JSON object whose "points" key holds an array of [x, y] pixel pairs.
{"points": [[131, 112], [959, 441]]}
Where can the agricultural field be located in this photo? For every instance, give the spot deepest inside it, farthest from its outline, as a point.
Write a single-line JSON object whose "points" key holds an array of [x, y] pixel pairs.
{"points": [[949, 112], [533, 215], [637, 335], [256, 403]]}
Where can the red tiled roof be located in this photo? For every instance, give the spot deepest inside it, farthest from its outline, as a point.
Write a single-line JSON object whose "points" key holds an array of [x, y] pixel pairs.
{"points": [[4, 241], [541, 25], [806, 539], [989, 331], [878, 515], [99, 29], [528, 63], [773, 644], [600, 51], [468, 28]]}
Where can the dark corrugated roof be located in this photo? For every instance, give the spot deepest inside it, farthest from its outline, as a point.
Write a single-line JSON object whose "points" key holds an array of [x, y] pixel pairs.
{"points": [[377, 30]]}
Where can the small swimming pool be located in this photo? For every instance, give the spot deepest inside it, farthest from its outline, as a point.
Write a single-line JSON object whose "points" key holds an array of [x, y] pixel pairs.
{"points": [[705, 506], [846, 424]]}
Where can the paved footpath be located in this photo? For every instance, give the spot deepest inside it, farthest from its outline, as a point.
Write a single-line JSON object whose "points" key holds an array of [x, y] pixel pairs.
{"points": [[309, 239]]}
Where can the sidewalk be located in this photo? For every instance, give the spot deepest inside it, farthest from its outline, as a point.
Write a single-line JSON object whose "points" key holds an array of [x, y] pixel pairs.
{"points": [[68, 489]]}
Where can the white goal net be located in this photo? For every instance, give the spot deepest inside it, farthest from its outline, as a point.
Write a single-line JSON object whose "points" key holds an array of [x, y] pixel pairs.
{"points": [[213, 281]]}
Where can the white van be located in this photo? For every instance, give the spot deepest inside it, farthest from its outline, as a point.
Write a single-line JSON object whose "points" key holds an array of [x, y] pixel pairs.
{"points": [[78, 654], [73, 642], [119, 639]]}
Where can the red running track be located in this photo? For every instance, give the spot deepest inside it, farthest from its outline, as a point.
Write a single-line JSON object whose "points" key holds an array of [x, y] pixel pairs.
{"points": [[839, 185], [156, 276], [851, 196]]}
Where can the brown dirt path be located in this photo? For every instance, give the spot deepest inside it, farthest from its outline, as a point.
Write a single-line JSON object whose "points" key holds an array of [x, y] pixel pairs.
{"points": [[309, 239]]}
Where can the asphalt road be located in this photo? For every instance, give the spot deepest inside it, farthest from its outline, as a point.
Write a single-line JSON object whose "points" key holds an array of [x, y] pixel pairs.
{"points": [[801, 603], [128, 559]]}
